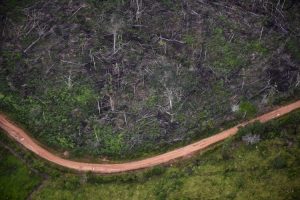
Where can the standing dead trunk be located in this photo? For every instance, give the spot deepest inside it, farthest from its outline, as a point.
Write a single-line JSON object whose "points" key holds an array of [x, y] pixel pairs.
{"points": [[115, 41], [112, 103], [115, 27], [170, 98], [99, 108]]}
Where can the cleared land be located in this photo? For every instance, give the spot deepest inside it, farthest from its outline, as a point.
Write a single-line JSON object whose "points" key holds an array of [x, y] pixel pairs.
{"points": [[92, 78]]}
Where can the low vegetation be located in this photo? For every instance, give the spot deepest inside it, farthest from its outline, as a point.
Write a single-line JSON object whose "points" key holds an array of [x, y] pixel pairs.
{"points": [[17, 181], [268, 168]]}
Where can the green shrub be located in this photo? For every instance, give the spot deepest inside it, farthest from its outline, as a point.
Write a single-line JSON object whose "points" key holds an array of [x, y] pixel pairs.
{"points": [[225, 153], [256, 46], [255, 128], [152, 101], [247, 109], [279, 162], [110, 142], [189, 39], [71, 183], [155, 171]]}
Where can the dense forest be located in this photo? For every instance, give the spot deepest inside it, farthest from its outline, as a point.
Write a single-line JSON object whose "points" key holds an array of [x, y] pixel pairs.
{"points": [[129, 78]]}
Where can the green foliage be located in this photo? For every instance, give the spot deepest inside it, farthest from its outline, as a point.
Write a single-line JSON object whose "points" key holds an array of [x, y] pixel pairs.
{"points": [[247, 108], [249, 173], [151, 131], [16, 179], [226, 153], [110, 143], [68, 119], [155, 171], [85, 95], [10, 60], [293, 47], [152, 101], [70, 183], [165, 187], [279, 162], [225, 55], [257, 47], [189, 39], [254, 128], [61, 108]]}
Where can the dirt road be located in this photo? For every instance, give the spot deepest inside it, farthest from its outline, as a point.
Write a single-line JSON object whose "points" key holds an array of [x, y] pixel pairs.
{"points": [[19, 135]]}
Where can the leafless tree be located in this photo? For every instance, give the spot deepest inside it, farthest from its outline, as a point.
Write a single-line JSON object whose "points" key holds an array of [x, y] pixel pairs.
{"points": [[251, 139], [69, 81], [298, 80], [115, 27], [112, 102], [169, 94]]}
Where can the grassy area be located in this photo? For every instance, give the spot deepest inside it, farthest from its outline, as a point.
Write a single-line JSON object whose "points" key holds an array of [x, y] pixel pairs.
{"points": [[17, 181], [267, 167]]}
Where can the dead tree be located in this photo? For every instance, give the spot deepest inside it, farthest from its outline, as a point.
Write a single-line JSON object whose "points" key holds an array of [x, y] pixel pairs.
{"points": [[111, 102], [169, 94], [115, 26], [138, 10], [69, 81]]}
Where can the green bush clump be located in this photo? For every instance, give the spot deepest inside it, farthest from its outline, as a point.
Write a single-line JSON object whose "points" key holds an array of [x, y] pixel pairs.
{"points": [[247, 109], [256, 46], [155, 171], [288, 124], [279, 162], [189, 39], [110, 143]]}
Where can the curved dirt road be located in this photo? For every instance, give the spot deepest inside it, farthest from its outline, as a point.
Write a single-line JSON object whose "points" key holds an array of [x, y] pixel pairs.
{"points": [[19, 135]]}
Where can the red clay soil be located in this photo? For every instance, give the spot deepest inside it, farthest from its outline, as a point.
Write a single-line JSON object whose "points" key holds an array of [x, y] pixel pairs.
{"points": [[20, 136]]}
